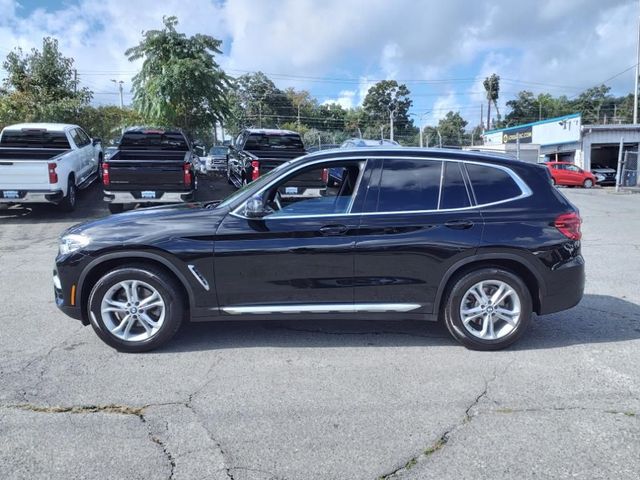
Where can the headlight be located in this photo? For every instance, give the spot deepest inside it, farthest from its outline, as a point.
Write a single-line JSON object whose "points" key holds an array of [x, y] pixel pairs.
{"points": [[72, 242]]}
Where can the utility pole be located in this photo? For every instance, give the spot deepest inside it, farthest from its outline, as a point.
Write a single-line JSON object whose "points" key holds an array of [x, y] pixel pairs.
{"points": [[482, 117], [120, 89], [439, 137], [392, 113], [635, 91], [539, 109], [75, 80]]}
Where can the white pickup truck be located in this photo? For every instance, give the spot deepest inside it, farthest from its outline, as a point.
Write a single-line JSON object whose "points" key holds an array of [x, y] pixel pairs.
{"points": [[46, 163]]}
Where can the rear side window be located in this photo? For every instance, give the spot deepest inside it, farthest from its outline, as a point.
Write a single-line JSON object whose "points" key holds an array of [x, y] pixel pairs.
{"points": [[491, 184], [409, 185], [454, 192], [154, 140]]}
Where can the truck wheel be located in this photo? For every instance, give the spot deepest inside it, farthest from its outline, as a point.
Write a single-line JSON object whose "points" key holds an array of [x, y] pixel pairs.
{"points": [[136, 309], [68, 203], [116, 207]]}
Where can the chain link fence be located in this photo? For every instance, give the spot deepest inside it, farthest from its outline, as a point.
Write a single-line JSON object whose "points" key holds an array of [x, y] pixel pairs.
{"points": [[629, 174]]}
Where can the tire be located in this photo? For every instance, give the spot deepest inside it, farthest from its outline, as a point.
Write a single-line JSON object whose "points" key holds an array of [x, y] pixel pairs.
{"points": [[459, 298], [116, 207], [588, 183], [166, 315], [68, 203]]}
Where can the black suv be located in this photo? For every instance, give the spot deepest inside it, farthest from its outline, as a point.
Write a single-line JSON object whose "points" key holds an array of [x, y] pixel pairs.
{"points": [[476, 240]]}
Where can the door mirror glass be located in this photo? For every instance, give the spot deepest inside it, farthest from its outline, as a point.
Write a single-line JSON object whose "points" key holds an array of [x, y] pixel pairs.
{"points": [[254, 208]]}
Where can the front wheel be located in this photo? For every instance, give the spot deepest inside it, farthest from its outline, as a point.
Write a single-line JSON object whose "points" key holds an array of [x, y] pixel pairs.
{"points": [[488, 309], [588, 183], [136, 309]]}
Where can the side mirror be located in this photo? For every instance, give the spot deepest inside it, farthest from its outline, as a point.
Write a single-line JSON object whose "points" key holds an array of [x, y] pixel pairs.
{"points": [[254, 208], [96, 141]]}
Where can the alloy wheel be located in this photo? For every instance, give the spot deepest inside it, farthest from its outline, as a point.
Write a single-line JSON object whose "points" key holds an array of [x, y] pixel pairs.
{"points": [[133, 310], [490, 310]]}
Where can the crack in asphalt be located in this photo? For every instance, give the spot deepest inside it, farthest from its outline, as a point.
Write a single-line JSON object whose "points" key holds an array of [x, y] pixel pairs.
{"points": [[76, 409], [443, 439]]}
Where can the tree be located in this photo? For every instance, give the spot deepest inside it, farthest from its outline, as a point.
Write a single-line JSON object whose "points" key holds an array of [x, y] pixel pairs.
{"points": [[492, 90], [40, 86], [590, 102], [386, 100], [452, 129], [304, 105], [180, 84], [256, 101], [107, 121]]}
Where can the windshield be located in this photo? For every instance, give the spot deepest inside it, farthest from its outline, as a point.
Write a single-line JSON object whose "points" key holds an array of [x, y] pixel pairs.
{"points": [[218, 151], [257, 185], [34, 138]]}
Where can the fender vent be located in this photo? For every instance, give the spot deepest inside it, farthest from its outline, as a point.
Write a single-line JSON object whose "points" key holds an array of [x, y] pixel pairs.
{"points": [[199, 277]]}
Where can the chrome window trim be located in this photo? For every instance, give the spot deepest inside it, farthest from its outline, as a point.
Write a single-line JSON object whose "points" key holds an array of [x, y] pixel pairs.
{"points": [[524, 189], [323, 308]]}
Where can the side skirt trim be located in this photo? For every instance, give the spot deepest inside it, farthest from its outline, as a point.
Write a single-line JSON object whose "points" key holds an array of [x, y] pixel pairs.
{"points": [[324, 308]]}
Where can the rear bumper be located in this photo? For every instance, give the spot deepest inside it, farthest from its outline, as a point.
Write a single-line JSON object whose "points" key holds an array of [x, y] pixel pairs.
{"points": [[564, 288], [33, 196], [136, 197]]}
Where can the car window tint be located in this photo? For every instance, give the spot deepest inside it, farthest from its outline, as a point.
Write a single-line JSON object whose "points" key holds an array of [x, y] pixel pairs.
{"points": [[315, 191], [454, 193], [491, 184], [409, 185]]}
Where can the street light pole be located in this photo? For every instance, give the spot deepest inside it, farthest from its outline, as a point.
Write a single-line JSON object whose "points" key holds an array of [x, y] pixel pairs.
{"points": [[120, 89], [392, 114]]}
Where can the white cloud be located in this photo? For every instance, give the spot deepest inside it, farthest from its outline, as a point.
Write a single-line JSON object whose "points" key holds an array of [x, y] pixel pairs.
{"points": [[574, 43], [345, 99]]}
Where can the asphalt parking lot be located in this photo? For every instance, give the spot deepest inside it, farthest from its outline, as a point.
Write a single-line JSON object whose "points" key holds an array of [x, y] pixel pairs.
{"points": [[321, 400]]}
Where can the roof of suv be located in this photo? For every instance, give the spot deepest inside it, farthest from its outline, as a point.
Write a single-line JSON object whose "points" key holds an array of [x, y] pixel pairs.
{"points": [[51, 127], [436, 153]]}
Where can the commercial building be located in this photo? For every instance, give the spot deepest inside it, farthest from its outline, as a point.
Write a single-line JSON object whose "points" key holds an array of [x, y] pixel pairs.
{"points": [[566, 139]]}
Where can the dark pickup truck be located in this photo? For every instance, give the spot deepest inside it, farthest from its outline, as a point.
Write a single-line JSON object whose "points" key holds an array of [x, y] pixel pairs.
{"points": [[258, 151], [151, 166]]}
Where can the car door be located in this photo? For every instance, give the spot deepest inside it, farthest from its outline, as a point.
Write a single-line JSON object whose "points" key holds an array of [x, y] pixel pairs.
{"points": [[417, 221], [298, 258], [88, 147], [575, 176]]}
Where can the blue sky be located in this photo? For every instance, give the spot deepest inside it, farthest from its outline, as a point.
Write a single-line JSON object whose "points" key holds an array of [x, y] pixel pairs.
{"points": [[338, 48]]}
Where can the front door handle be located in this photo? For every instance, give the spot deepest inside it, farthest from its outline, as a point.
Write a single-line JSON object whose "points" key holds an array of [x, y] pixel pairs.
{"points": [[329, 230], [459, 224]]}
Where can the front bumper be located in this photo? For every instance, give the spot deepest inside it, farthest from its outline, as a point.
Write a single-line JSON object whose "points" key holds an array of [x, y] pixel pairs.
{"points": [[217, 166], [33, 196], [136, 197], [564, 288], [65, 297]]}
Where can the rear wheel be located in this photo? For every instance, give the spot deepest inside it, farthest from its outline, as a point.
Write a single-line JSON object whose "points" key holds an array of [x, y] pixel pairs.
{"points": [[136, 309], [68, 203], [588, 183], [488, 309]]}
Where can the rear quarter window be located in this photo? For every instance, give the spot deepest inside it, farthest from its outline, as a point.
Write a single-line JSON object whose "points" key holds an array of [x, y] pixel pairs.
{"points": [[491, 184]]}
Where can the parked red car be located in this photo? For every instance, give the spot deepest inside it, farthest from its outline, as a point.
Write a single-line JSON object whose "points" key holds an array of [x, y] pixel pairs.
{"points": [[566, 173]]}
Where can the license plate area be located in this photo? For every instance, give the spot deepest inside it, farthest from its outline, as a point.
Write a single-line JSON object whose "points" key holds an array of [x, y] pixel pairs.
{"points": [[147, 194], [10, 194]]}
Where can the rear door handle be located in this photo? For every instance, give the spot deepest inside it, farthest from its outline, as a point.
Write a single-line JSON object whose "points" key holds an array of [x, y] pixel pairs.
{"points": [[329, 230], [459, 224]]}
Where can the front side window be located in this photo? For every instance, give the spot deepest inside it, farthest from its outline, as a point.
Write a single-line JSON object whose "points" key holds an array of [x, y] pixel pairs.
{"points": [[408, 184], [317, 190], [491, 184]]}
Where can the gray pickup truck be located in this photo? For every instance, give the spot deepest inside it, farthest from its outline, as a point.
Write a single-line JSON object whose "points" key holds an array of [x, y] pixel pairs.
{"points": [[151, 166]]}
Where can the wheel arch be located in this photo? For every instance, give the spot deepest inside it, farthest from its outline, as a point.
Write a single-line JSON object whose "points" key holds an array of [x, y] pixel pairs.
{"points": [[103, 264], [512, 262]]}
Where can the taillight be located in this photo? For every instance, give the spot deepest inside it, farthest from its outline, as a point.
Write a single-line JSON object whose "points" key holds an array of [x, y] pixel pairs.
{"points": [[106, 179], [255, 170], [187, 175], [53, 175], [569, 225], [325, 175]]}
